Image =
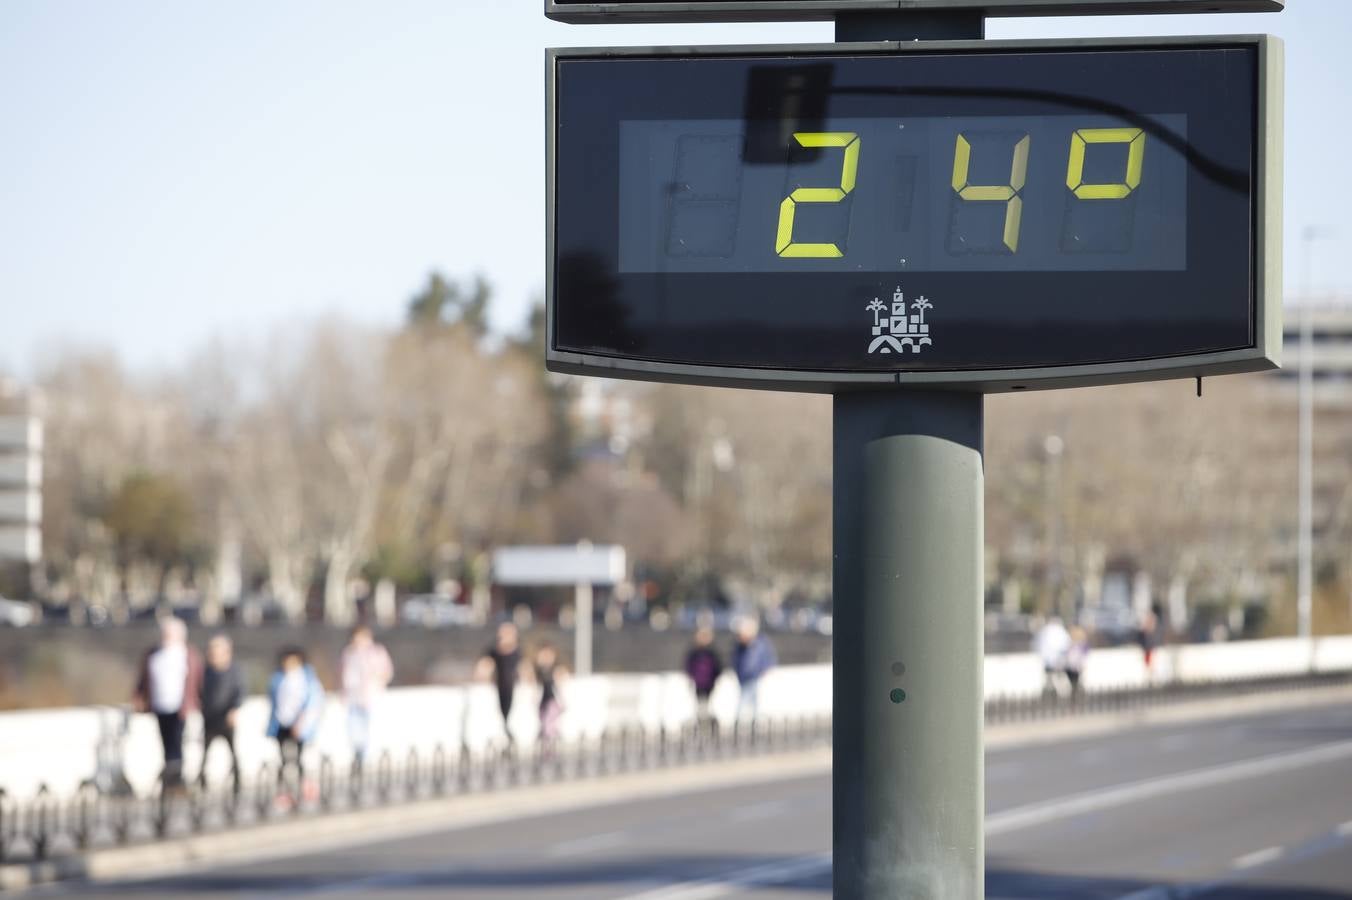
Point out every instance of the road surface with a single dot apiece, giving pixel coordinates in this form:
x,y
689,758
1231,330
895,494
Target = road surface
x,y
1258,808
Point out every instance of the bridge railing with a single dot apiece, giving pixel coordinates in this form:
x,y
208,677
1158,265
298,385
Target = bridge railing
x,y
46,825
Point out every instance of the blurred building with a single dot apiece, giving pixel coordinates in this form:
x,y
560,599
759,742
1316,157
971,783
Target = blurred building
x,y
1331,371
20,476
1331,348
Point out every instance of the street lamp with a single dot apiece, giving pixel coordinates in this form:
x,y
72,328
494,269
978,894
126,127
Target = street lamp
x,y
1304,551
1054,446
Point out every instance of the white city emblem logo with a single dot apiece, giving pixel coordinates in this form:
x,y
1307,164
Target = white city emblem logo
x,y
894,333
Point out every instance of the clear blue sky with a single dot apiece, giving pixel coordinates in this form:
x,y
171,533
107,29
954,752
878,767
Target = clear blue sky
x,y
183,168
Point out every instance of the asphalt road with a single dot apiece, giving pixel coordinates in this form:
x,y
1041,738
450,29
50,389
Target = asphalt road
x,y
1258,808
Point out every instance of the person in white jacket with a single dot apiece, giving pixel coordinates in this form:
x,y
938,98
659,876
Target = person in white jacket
x,y
1052,643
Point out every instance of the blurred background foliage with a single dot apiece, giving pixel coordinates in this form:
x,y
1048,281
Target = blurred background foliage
x,y
332,458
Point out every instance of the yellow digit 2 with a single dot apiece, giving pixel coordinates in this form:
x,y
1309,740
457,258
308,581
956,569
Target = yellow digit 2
x,y
1008,193
784,243
1133,137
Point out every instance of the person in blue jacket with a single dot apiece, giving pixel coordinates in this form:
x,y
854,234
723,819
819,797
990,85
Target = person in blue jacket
x,y
297,700
752,656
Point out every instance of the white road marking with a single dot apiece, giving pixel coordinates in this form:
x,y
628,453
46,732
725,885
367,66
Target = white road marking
x,y
1258,857
1034,814
1245,865
722,885
588,844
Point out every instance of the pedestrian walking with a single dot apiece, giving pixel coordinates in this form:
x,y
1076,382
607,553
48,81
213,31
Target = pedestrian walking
x,y
703,666
501,664
1077,657
549,674
169,686
752,657
1150,635
297,700
221,697
1051,643
366,670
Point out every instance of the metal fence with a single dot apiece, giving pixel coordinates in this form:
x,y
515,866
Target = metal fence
x,y
45,825
1048,706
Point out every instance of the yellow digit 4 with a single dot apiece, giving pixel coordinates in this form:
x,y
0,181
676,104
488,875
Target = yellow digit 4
x,y
1133,137
784,243
1009,193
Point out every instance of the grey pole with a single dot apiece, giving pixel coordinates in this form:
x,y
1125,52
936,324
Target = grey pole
x,y
582,628
908,772
908,779
1305,466
910,25
909,775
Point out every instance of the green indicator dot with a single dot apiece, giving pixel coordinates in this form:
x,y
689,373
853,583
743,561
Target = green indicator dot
x,y
898,695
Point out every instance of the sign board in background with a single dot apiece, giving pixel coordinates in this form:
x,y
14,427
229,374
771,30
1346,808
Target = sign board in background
x,y
583,565
985,215
569,564
20,488
590,11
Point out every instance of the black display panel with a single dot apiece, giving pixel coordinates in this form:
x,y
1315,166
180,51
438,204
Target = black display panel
x,y
989,208
1009,193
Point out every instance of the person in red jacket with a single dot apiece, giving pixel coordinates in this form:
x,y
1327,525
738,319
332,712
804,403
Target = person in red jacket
x,y
170,686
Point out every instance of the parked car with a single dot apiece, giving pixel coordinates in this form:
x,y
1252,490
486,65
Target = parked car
x,y
691,617
435,611
1113,624
796,619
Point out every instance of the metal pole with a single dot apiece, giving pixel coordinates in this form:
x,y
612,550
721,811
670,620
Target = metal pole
x,y
1305,513
1305,538
1060,600
908,776
910,25
582,628
908,783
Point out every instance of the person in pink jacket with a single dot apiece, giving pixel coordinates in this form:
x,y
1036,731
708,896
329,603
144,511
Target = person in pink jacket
x,y
366,670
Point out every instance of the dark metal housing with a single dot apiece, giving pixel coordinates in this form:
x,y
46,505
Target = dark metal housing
x,y
1262,354
589,11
